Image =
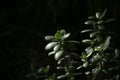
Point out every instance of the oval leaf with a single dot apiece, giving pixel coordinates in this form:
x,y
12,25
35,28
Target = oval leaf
x,y
65,36
48,38
88,30
58,54
89,22
107,42
57,47
50,53
98,14
50,45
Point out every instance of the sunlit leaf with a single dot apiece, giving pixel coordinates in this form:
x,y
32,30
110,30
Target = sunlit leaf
x,y
60,60
89,22
103,14
57,35
107,42
87,41
48,38
98,14
50,53
58,54
61,76
93,34
96,71
89,51
88,30
84,55
91,17
100,22
62,32
85,64
57,47
96,58
65,36
50,45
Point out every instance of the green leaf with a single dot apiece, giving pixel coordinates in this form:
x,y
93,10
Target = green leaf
x,y
57,47
88,30
98,14
110,20
62,32
107,42
116,53
61,60
89,51
71,41
90,22
61,76
50,45
85,64
103,14
59,67
87,41
93,34
65,36
48,38
50,53
96,71
84,55
96,58
91,17
59,54
57,35
100,22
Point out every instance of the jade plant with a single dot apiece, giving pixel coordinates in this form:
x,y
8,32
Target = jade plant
x,y
100,60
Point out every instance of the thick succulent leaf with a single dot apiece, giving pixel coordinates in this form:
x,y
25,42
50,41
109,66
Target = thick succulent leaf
x,y
91,17
107,42
71,41
93,34
57,35
103,14
57,47
116,53
83,57
49,38
87,41
50,53
100,22
110,20
96,71
85,64
88,30
50,45
89,51
61,76
61,60
62,32
90,22
65,36
59,54
98,14
96,58
60,67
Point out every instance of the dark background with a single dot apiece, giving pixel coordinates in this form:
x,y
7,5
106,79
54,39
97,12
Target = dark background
x,y
24,23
